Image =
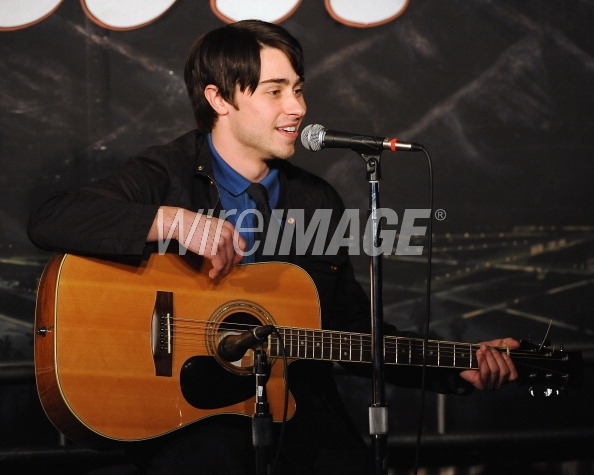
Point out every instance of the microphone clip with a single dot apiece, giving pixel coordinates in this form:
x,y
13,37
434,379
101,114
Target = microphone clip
x,y
233,347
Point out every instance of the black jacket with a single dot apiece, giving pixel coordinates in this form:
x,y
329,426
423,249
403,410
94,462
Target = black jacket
x,y
112,217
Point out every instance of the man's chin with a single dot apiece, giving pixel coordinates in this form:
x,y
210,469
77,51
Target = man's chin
x,y
285,153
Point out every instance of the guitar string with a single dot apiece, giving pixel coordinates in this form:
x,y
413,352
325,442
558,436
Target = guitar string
x,y
393,344
331,336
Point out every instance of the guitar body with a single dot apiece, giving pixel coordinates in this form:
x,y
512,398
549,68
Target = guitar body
x,y
102,369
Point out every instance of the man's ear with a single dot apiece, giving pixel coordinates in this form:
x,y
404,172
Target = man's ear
x,y
215,99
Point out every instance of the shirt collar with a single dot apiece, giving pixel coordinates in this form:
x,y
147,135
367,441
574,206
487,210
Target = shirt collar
x,y
234,183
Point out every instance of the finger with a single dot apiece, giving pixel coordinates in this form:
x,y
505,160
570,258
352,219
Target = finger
x,y
239,245
221,245
513,372
217,269
475,377
509,371
209,246
490,368
227,245
505,368
504,343
223,252
511,343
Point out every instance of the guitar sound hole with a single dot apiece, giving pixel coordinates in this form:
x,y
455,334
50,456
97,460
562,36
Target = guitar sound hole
x,y
238,322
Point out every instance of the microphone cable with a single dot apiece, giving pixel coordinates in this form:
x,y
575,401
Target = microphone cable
x,y
427,315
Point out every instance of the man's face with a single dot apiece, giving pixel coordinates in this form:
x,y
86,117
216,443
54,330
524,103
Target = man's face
x,y
266,121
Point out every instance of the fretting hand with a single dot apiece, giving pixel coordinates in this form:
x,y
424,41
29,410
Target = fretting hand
x,y
495,367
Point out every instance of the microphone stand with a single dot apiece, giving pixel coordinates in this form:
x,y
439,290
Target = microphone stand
x,y
262,419
378,410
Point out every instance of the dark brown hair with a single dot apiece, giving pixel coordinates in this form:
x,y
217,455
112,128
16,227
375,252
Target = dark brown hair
x,y
229,57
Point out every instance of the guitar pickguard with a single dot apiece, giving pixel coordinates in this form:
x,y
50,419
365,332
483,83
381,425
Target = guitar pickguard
x,y
205,384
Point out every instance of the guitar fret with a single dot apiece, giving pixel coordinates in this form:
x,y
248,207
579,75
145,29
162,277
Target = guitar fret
x,y
349,342
438,355
286,343
403,352
305,344
292,346
416,357
432,354
297,342
336,349
361,348
334,346
447,357
318,344
302,343
356,349
461,356
388,350
454,354
364,348
279,350
391,353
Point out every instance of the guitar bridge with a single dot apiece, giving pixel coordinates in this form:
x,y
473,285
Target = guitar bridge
x,y
162,333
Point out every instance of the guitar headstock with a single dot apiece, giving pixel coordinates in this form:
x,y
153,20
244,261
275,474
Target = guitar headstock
x,y
547,370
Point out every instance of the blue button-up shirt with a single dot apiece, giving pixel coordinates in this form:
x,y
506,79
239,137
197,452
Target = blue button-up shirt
x,y
235,200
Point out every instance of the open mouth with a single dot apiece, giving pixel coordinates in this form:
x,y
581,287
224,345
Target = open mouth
x,y
288,130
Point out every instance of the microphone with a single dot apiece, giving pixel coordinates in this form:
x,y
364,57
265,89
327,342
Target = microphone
x,y
315,137
233,347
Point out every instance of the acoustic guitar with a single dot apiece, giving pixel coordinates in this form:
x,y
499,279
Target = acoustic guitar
x,y
127,352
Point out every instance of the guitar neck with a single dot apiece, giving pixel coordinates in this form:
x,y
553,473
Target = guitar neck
x,y
340,346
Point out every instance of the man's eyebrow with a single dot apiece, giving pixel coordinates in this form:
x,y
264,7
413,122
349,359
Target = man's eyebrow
x,y
283,81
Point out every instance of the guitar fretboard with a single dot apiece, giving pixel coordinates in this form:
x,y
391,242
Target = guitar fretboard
x,y
339,346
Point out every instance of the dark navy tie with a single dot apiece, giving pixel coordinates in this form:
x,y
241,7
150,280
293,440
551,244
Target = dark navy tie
x,y
259,194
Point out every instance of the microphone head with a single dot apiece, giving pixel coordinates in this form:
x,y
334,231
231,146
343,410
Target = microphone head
x,y
312,137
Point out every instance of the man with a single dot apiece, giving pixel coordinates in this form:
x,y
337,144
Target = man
x,y
245,83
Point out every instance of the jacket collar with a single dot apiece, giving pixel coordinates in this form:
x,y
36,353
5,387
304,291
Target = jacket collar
x,y
204,159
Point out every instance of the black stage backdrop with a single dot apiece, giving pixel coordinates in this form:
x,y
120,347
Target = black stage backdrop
x,y
500,93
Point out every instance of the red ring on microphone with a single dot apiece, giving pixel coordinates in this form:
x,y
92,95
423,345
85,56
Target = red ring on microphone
x,y
393,144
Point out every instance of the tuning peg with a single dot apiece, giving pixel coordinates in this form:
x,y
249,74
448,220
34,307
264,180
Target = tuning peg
x,y
542,392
